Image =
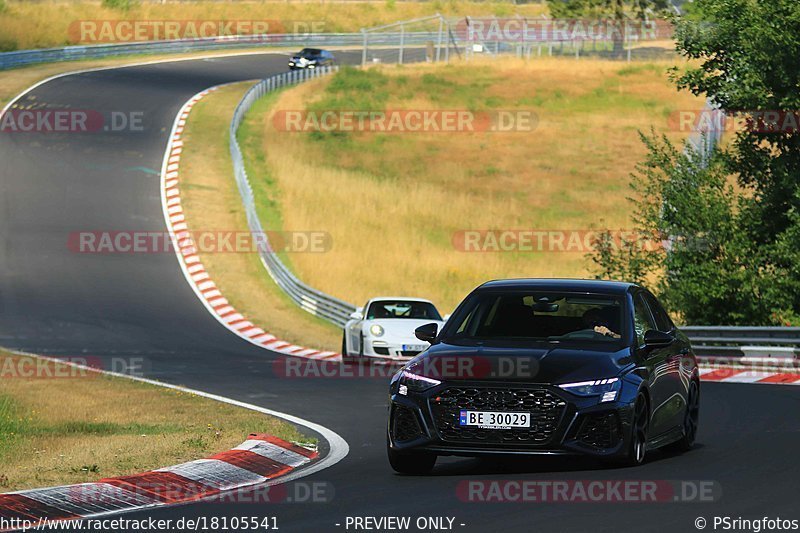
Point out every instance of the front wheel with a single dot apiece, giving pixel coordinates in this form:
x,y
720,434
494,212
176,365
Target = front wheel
x,y
347,358
637,446
412,463
690,419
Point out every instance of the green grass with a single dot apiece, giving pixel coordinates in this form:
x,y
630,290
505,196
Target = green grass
x,y
80,429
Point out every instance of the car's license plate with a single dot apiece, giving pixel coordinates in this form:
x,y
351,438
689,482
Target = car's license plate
x,y
414,347
494,419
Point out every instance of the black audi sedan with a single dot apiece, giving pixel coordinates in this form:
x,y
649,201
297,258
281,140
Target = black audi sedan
x,y
550,367
309,58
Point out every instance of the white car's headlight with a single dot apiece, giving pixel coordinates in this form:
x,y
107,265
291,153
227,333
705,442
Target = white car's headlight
x,y
607,387
376,330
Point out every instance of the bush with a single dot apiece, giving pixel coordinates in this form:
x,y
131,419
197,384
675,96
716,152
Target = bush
x,y
746,270
8,45
122,5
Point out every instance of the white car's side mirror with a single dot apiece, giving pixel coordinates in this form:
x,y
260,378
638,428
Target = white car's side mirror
x,y
356,315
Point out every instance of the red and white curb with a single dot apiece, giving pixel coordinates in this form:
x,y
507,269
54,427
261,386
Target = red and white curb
x,y
190,262
738,374
259,459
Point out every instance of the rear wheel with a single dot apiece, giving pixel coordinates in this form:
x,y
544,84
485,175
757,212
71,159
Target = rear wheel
x,y
637,446
690,419
413,463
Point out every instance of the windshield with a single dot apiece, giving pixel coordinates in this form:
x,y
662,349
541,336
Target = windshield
x,y
310,52
402,309
541,316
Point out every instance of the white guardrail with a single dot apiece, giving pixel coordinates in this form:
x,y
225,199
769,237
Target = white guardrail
x,y
726,342
310,299
299,40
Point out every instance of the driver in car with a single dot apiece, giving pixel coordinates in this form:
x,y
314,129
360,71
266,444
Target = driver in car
x,y
598,320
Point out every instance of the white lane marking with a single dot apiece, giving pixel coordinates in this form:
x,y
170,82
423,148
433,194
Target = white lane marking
x,y
206,290
38,84
338,447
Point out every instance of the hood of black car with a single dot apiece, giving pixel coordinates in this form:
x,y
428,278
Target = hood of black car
x,y
550,364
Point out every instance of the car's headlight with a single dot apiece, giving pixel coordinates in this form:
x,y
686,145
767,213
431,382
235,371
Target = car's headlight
x,y
607,387
376,330
416,383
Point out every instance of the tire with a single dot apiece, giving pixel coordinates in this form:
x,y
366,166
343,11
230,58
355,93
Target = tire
x,y
691,418
353,359
637,445
411,463
346,358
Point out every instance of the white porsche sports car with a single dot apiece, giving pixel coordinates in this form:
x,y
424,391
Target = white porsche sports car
x,y
384,328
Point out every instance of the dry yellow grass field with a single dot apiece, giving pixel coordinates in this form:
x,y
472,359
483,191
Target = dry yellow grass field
x,y
393,202
83,426
211,202
25,25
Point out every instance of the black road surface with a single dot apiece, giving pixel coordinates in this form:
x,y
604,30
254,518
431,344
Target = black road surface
x,y
58,302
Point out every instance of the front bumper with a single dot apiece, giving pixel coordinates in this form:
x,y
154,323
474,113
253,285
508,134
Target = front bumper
x,y
393,348
561,423
298,65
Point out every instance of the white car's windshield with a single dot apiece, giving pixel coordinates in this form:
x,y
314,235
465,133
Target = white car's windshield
x,y
402,309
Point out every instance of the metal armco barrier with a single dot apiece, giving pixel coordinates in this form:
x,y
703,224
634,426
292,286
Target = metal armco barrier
x,y
735,341
716,341
72,53
310,299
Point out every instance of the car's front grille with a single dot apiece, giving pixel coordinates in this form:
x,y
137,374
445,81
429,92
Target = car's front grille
x,y
599,430
380,350
545,408
410,353
405,426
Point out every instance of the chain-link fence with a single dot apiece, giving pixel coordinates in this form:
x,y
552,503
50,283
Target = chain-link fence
x,y
437,38
410,41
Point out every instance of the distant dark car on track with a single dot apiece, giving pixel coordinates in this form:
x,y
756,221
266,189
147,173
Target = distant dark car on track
x,y
311,58
548,367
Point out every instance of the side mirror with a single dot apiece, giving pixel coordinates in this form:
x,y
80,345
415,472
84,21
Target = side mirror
x,y
657,339
356,315
427,332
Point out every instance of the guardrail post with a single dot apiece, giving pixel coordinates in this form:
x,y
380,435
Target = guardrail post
x,y
402,43
439,39
364,47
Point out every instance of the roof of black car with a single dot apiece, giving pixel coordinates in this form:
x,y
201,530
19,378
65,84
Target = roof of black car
x,y
581,285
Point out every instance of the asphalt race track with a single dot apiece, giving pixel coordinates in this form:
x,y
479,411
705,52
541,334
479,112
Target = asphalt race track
x,y
58,302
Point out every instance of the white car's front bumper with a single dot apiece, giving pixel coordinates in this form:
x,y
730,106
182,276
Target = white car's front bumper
x,y
393,348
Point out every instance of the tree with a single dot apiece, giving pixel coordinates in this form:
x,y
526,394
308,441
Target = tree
x,y
618,10
747,269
